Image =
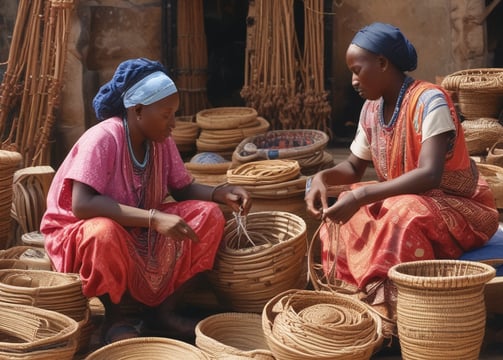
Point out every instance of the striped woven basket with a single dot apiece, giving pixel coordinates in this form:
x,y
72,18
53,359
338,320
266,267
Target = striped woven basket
x,y
440,311
151,348
259,256
222,118
233,336
28,332
306,324
264,172
10,161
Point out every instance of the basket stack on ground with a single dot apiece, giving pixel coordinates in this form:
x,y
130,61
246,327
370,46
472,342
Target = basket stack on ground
x,y
10,161
260,256
49,290
306,324
24,257
304,145
223,128
232,335
185,134
208,168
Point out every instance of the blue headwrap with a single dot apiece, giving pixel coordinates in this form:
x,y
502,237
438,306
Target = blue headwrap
x,y
108,101
388,40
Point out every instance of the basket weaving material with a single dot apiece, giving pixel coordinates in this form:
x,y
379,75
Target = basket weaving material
x,y
440,311
233,336
481,77
493,174
24,257
304,324
495,153
151,348
264,172
282,190
481,134
28,332
221,118
10,162
249,271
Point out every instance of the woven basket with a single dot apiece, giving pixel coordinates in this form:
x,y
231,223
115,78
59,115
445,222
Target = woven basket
x,y
24,257
481,134
304,324
493,174
245,274
10,161
233,336
222,118
453,81
283,190
185,133
28,332
495,153
151,348
440,310
264,172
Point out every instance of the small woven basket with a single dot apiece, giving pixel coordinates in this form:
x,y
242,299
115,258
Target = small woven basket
x,y
481,134
305,324
28,332
440,311
233,336
151,348
493,174
269,258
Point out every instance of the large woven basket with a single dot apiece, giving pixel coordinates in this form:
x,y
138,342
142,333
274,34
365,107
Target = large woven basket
x,y
233,336
306,324
493,174
221,118
151,348
245,274
481,134
10,161
440,311
28,332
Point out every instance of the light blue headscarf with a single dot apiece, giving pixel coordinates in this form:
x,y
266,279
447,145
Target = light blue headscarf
x,y
389,41
150,89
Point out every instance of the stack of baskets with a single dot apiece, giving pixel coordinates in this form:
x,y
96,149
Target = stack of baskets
x,y
260,256
223,128
440,311
10,161
185,134
305,146
208,168
479,93
24,257
49,290
305,324
29,332
233,336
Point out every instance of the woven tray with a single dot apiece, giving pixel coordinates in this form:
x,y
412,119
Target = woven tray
x,y
226,118
264,172
28,332
233,335
151,348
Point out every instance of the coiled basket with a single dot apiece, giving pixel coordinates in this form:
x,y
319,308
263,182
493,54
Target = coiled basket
x,y
441,312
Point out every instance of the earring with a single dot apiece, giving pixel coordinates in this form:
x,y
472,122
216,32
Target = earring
x,y
138,118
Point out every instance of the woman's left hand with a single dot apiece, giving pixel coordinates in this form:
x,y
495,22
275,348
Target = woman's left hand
x,y
343,209
237,198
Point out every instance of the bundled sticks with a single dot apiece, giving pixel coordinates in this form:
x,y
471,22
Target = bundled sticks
x,y
30,90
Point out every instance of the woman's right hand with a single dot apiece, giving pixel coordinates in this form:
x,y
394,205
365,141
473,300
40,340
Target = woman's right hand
x,y
316,196
172,225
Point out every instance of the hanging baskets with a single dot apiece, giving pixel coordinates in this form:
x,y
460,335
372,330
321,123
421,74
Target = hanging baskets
x,y
151,348
304,324
28,332
233,336
440,311
253,266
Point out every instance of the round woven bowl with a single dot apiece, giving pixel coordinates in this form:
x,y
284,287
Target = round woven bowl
x,y
493,174
264,172
233,336
226,118
28,332
305,324
151,348
245,275
440,310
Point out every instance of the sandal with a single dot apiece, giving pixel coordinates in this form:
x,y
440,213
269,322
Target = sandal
x,y
119,330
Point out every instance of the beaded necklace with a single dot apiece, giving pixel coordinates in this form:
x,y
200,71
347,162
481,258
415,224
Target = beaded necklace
x,y
406,82
136,163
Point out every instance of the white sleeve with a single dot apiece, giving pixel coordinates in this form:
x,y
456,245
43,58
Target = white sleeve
x,y
438,119
360,146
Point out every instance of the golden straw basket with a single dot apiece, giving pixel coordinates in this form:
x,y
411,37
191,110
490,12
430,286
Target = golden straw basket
x,y
481,134
252,267
307,324
440,311
233,336
493,174
151,348
10,161
221,118
29,332
24,257
264,172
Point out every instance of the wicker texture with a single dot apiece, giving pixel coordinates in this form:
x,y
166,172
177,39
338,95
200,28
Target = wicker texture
x,y
304,324
481,134
233,336
440,309
185,133
495,153
264,172
493,174
222,118
28,332
24,257
267,258
151,348
10,162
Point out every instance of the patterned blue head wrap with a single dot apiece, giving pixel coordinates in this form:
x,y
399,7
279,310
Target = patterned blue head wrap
x,y
109,100
388,40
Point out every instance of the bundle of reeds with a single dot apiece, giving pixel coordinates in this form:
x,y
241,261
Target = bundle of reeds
x,y
31,86
191,57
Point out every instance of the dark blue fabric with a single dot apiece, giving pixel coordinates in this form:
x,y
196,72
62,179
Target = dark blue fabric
x,y
493,249
108,100
388,40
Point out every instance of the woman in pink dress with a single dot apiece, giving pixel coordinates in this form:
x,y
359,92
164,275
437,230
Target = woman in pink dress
x,y
107,217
